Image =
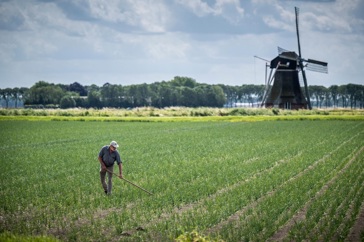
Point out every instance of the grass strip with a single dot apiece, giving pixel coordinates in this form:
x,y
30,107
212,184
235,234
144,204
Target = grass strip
x,y
186,119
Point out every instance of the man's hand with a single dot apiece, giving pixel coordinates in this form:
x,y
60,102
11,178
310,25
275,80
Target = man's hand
x,y
120,171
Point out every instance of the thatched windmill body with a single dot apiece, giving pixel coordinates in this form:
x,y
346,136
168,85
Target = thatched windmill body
x,y
283,88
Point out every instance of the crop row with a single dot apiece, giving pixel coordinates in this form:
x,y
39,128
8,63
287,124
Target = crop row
x,y
231,180
282,185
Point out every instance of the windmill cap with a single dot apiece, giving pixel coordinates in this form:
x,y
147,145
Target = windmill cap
x,y
114,144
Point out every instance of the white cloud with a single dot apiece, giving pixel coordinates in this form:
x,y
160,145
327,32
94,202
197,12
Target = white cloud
x,y
106,10
127,41
167,46
198,7
150,16
228,9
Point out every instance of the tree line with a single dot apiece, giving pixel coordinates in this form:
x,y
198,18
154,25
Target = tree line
x,y
180,91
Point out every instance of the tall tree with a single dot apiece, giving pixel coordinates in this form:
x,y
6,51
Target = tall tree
x,y
354,92
77,87
94,100
15,96
334,91
43,93
343,93
215,96
319,93
6,94
110,95
188,97
179,81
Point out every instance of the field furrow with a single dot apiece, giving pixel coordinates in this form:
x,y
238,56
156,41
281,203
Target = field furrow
x,y
283,232
271,213
281,180
206,214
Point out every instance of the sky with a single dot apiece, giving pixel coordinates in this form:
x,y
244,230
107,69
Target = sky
x,y
145,41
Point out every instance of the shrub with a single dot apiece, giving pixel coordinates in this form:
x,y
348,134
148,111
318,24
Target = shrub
x,y
194,237
67,102
275,111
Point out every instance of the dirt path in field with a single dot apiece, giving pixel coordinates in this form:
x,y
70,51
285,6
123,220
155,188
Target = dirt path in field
x,y
282,233
357,230
80,222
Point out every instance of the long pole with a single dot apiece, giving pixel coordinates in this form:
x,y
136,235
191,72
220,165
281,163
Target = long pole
x,y
122,178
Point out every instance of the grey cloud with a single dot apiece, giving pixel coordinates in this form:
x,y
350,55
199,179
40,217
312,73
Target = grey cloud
x,y
11,17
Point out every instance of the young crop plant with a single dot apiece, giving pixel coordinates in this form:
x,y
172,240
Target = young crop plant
x,y
230,181
194,236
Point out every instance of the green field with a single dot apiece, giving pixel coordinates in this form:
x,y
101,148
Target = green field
x,y
234,181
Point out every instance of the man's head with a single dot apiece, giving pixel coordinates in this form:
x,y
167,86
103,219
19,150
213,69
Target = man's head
x,y
114,145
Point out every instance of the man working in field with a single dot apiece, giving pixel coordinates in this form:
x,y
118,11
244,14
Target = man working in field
x,y
107,157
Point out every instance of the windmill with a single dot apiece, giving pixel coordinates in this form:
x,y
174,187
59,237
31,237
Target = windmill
x,y
283,88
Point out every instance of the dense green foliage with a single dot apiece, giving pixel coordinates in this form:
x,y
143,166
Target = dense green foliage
x,y
233,181
180,91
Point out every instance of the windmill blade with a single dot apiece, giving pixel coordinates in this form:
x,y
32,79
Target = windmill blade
x,y
317,62
261,58
315,65
297,11
306,87
281,50
317,68
287,54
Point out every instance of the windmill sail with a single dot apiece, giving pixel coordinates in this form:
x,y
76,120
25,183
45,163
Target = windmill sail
x,y
281,50
318,66
300,60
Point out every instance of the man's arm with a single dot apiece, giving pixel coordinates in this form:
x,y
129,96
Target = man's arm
x,y
103,166
120,170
